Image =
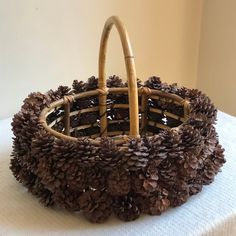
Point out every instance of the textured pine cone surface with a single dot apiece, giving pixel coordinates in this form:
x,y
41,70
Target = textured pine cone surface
x,y
145,175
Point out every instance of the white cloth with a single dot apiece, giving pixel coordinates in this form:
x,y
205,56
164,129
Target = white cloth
x,y
211,212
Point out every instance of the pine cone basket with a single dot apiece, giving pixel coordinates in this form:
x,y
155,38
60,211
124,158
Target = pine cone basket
x,y
126,148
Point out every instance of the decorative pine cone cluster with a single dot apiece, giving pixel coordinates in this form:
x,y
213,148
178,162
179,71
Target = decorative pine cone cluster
x,y
146,175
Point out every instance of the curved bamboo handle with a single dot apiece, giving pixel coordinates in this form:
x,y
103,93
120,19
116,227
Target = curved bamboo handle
x,y
131,76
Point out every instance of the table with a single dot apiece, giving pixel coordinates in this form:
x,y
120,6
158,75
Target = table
x,y
211,212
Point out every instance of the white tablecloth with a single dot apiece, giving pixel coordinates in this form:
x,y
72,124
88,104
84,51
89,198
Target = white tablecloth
x,y
211,212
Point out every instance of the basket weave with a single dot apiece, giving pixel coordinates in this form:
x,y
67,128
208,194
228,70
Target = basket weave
x,y
108,147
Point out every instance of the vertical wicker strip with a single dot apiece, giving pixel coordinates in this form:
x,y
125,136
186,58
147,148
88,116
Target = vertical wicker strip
x,y
67,118
131,76
144,107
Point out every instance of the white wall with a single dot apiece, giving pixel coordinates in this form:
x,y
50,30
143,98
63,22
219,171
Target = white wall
x,y
217,58
45,43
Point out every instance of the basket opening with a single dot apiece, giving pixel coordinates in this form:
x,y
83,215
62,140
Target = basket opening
x,y
161,113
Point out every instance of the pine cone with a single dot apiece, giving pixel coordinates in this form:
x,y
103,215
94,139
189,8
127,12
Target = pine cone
x,y
137,155
195,185
203,105
78,86
183,92
158,202
154,83
191,138
39,190
109,155
59,93
188,164
212,164
21,173
92,83
209,145
125,208
179,193
114,81
64,165
168,172
118,182
96,205
24,125
200,123
42,144
36,102
145,182
67,199
166,144
96,178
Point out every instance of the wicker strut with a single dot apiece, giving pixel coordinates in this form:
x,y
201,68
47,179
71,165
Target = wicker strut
x,y
106,147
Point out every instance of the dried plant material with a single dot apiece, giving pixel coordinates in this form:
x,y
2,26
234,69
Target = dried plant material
x,y
147,175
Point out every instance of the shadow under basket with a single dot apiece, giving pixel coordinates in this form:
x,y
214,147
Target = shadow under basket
x,y
106,146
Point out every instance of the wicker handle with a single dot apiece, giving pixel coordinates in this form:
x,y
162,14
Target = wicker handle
x,y
131,76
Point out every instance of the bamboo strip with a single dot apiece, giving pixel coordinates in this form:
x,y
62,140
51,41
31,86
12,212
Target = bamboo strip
x,y
168,114
158,125
144,112
67,119
52,110
167,99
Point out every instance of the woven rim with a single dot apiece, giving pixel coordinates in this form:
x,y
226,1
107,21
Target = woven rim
x,y
120,139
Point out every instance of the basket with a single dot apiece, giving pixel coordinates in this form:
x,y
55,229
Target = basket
x,y
108,147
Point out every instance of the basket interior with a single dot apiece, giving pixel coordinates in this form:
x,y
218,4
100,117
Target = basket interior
x,y
160,112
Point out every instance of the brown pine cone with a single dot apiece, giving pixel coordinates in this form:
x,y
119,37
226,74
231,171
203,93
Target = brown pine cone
x,y
158,202
96,205
65,165
92,83
209,145
114,81
200,123
21,172
168,172
203,105
110,156
195,185
78,86
125,208
188,165
59,93
212,164
144,182
96,178
218,156
166,144
154,82
66,198
200,103
118,182
137,154
178,193
36,102
191,138
39,190
42,144
24,125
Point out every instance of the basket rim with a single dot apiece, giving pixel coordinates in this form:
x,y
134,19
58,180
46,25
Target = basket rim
x,y
120,139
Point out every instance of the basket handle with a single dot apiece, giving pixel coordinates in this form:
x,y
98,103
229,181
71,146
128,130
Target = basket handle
x,y
131,76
